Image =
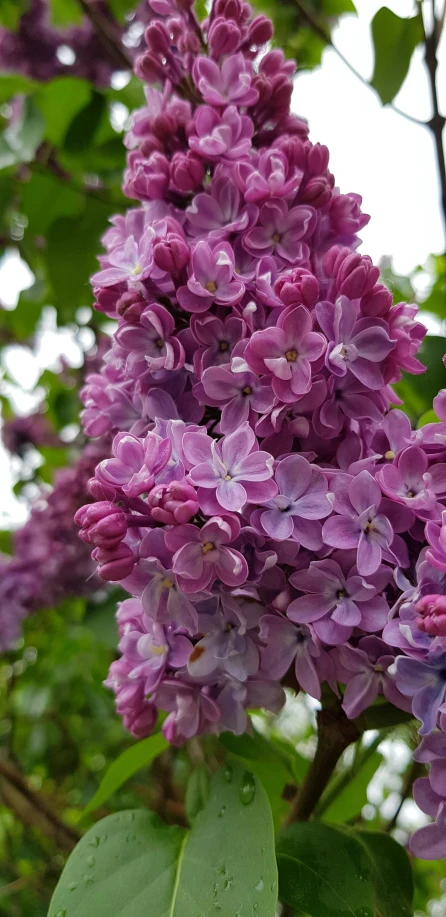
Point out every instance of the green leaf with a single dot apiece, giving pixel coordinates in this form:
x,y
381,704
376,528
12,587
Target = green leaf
x,y
131,761
45,198
131,865
324,872
65,12
352,799
257,753
20,140
382,715
392,874
121,8
418,392
15,84
394,41
59,101
337,7
197,792
11,12
84,125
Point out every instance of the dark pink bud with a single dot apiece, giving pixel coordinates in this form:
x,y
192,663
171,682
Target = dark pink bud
x,y
299,287
173,504
318,157
101,491
440,404
172,254
188,42
186,172
378,302
114,564
356,276
317,191
150,180
260,31
224,37
148,67
130,305
432,620
164,125
142,722
157,37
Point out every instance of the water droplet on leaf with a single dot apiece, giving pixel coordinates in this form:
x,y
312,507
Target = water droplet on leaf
x,y
260,886
91,861
229,773
248,788
94,842
222,812
72,886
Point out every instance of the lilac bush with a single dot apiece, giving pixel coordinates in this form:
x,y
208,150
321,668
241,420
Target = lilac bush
x,y
266,506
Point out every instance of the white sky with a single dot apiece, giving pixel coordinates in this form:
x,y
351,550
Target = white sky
x,y
373,151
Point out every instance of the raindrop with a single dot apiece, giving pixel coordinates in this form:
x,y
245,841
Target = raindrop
x,y
260,886
88,879
95,842
72,886
228,884
222,870
255,908
222,812
273,886
62,913
229,773
131,816
91,861
248,789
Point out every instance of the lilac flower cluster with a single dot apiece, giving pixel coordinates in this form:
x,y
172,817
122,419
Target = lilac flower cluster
x,y
264,506
49,562
34,48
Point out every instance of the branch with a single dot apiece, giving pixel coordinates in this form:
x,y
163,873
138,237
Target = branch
x,y
438,121
106,33
32,810
415,770
319,29
335,734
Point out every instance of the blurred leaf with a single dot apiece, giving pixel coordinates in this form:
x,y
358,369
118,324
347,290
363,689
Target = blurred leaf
x,y
5,542
392,874
197,792
436,301
22,320
382,715
394,41
428,417
324,872
418,392
337,7
131,761
140,866
11,12
59,101
45,198
21,138
352,799
84,125
15,84
65,12
71,255
120,8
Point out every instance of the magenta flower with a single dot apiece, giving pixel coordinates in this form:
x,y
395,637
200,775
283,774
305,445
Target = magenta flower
x,y
225,137
211,279
233,467
365,671
230,83
302,499
347,398
280,231
130,262
408,481
359,524
216,338
202,555
336,602
221,212
135,464
287,351
238,394
354,344
151,344
271,176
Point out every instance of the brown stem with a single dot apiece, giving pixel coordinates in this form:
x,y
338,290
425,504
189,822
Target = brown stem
x,y
32,810
438,121
105,30
415,770
335,734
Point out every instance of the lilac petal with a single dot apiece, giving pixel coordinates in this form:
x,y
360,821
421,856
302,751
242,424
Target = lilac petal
x,y
197,448
180,651
293,476
205,475
277,524
437,777
425,796
308,533
425,705
364,492
237,446
429,843
231,495
281,646
331,632
231,567
306,674
188,562
309,608
340,532
360,693
369,555
374,614
347,613
181,611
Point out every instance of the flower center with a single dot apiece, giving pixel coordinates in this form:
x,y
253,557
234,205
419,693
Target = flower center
x,y
167,583
247,390
389,454
369,527
341,594
207,546
223,346
136,270
211,286
378,668
159,343
276,238
227,477
158,650
291,356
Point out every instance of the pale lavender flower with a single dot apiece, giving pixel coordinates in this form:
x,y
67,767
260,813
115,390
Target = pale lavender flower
x,y
211,279
203,555
238,394
132,261
365,671
301,502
